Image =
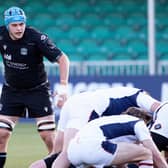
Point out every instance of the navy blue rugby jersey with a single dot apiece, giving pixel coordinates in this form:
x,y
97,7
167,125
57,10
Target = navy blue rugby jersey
x,y
23,58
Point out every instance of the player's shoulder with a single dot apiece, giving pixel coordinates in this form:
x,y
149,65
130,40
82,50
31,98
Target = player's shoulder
x,y
30,29
35,33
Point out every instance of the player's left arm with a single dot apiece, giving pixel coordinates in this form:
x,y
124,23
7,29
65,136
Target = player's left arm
x,y
63,62
158,159
55,55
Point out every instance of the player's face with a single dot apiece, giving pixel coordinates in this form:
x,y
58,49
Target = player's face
x,y
16,30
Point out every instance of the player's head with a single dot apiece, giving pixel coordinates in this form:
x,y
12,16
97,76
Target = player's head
x,y
14,14
140,113
163,108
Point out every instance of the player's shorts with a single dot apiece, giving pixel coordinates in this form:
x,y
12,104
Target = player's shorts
x,y
91,152
76,112
32,103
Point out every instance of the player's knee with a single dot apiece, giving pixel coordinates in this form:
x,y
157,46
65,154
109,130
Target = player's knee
x,y
47,132
6,127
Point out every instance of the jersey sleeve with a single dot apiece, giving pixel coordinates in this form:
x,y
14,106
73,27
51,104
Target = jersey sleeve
x,y
141,131
47,47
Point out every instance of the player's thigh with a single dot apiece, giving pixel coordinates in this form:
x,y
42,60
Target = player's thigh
x,y
128,152
90,151
47,118
39,104
11,119
11,103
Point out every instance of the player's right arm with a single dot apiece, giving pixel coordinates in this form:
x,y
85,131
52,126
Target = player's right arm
x,y
158,159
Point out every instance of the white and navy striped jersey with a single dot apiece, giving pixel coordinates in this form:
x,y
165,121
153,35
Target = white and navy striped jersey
x,y
84,107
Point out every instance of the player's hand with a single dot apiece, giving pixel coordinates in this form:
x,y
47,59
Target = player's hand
x,y
61,95
61,100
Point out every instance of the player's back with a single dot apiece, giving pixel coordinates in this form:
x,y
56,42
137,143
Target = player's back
x,y
114,100
117,128
89,105
116,92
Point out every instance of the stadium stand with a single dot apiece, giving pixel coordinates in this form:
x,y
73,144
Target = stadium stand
x,y
91,30
162,49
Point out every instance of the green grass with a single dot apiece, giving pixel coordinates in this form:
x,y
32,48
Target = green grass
x,y
25,146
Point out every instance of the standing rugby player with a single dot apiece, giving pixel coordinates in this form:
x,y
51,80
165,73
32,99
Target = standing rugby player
x,y
26,89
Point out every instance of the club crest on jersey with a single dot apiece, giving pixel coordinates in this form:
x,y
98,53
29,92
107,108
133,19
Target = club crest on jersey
x,y
8,56
158,126
4,47
46,109
43,37
23,51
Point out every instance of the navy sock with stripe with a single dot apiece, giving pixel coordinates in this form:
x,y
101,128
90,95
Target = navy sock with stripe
x,y
3,156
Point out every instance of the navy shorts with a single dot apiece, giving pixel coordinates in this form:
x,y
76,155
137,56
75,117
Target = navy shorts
x,y
32,103
160,141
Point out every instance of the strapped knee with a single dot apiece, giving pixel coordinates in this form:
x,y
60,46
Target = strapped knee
x,y
7,124
46,125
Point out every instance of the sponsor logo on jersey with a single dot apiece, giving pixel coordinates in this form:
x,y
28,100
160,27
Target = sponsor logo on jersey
x,y
8,56
23,51
46,109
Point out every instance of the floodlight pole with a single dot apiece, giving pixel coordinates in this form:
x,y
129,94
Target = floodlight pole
x,y
151,37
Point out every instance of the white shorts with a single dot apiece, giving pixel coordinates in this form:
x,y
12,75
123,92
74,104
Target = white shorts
x,y
75,113
89,152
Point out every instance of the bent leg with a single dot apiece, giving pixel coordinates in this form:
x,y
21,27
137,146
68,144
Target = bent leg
x,y
46,128
44,163
62,160
127,153
48,161
6,127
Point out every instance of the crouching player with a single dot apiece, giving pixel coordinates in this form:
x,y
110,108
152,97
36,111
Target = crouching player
x,y
111,141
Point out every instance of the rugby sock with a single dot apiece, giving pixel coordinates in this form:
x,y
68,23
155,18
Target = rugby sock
x,y
50,159
146,164
71,166
2,159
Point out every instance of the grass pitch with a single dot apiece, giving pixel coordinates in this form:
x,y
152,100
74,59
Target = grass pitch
x,y
25,146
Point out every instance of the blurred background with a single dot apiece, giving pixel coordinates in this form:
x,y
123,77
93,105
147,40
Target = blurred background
x,y
108,41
